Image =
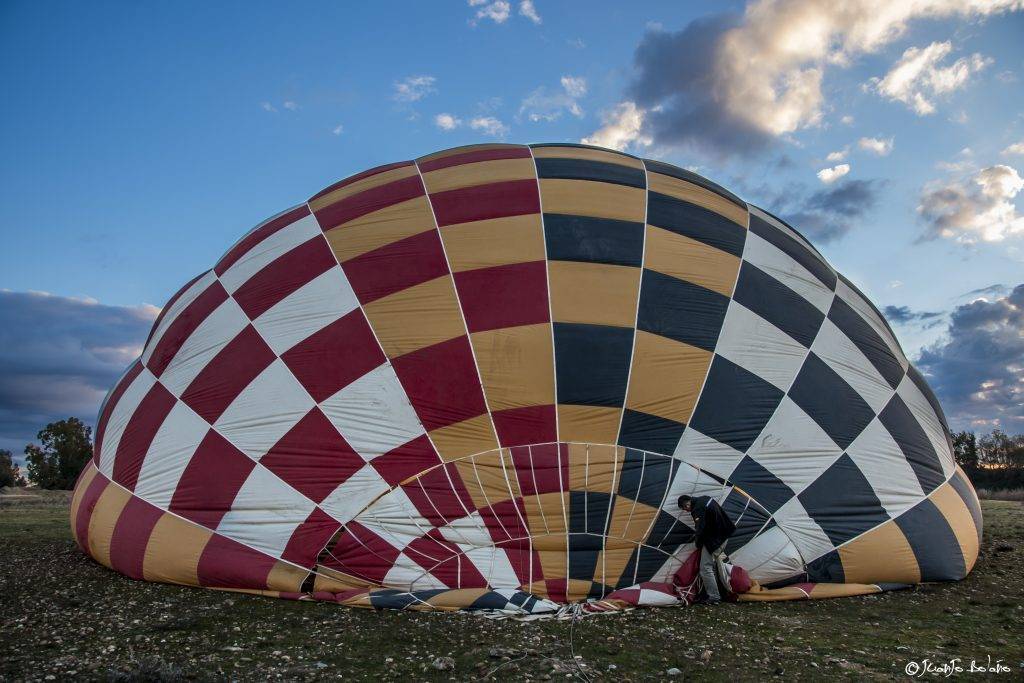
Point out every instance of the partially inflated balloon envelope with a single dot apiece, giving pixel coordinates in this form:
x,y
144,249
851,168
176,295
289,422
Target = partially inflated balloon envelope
x,y
483,378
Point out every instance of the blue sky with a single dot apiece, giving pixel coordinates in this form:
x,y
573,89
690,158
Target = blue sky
x,y
141,140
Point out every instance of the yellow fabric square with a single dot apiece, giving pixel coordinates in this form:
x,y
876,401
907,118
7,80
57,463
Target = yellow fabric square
x,y
417,317
695,194
593,198
516,366
479,173
589,424
691,260
593,293
494,242
468,437
379,228
666,377
173,552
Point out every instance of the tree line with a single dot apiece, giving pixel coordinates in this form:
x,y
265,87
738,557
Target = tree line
x,y
64,449
992,461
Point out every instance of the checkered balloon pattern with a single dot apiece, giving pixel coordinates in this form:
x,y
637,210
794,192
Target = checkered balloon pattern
x,y
482,379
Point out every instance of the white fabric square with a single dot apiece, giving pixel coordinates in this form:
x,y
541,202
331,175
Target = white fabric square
x,y
883,464
265,410
173,446
354,494
786,270
469,530
395,519
925,415
265,513
408,576
373,413
706,453
269,250
793,447
857,303
850,363
771,556
307,310
186,298
119,417
807,535
753,343
206,341
690,481
494,564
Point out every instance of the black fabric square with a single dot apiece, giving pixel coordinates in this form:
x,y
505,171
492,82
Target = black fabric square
x,y
830,401
594,240
760,484
966,492
746,515
933,541
650,432
867,340
589,512
929,395
592,363
587,169
908,434
680,310
842,502
778,304
826,569
668,533
794,249
735,405
645,476
691,177
696,222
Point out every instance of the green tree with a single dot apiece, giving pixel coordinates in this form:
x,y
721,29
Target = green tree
x,y
65,450
10,474
965,451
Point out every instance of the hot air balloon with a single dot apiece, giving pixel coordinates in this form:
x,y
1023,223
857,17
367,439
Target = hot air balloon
x,y
483,378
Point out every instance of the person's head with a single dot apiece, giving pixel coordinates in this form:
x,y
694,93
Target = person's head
x,y
685,503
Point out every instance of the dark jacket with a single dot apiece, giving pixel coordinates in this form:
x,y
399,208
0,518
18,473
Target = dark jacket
x,y
712,526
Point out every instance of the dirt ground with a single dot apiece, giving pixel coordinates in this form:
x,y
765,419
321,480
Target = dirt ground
x,y
63,615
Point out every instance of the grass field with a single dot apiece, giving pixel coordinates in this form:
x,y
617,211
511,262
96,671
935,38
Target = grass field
x,y
63,615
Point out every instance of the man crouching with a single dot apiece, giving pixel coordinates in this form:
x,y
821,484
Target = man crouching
x,y
712,529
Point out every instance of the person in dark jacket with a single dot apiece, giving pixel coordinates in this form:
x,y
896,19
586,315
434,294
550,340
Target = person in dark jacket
x,y
712,528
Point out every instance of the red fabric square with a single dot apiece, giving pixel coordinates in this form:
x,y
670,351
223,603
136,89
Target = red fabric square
x,y
546,465
439,495
335,356
504,520
86,505
283,276
108,406
313,458
442,383
510,152
504,296
444,561
494,200
361,553
359,176
182,327
131,536
167,307
210,481
371,200
230,371
522,426
229,564
244,245
139,433
524,559
397,266
310,538
406,461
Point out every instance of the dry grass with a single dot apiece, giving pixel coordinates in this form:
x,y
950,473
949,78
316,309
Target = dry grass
x,y
1016,495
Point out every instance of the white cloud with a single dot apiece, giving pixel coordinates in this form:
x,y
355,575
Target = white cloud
x,y
575,86
978,206
879,146
917,78
489,125
577,43
267,106
290,106
498,11
447,122
545,105
527,9
830,175
622,128
846,120
338,129
759,77
1015,148
414,88
838,155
